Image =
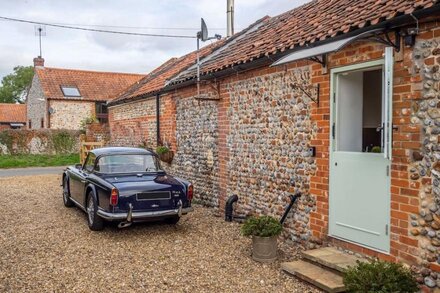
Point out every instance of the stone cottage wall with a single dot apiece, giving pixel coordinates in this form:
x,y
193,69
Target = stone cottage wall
x,y
265,127
424,154
70,114
269,140
196,157
36,104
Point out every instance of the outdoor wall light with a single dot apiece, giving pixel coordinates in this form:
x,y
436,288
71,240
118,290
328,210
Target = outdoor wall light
x,y
410,37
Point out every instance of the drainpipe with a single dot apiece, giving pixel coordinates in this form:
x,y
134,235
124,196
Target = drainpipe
x,y
158,118
47,116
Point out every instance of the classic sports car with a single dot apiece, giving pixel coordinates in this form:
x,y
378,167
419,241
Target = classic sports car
x,y
125,185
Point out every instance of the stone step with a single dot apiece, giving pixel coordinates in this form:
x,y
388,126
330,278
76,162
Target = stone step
x,y
331,258
315,275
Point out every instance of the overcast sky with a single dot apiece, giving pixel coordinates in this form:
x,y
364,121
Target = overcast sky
x,y
108,52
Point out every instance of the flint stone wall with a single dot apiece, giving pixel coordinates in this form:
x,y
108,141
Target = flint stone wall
x,y
269,140
41,141
70,114
425,163
196,158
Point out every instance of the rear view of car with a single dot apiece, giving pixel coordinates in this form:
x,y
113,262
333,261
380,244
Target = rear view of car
x,y
126,185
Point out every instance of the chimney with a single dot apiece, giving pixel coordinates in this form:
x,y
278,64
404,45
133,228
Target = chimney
x,y
39,61
230,18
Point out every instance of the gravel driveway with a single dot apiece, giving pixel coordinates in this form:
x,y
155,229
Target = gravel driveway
x,y
45,247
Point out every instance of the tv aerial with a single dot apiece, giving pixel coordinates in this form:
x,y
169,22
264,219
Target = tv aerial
x,y
203,36
40,31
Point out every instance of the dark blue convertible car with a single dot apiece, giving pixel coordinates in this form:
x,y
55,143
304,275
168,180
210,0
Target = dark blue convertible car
x,y
125,185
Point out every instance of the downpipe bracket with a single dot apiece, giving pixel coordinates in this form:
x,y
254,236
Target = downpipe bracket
x,y
293,198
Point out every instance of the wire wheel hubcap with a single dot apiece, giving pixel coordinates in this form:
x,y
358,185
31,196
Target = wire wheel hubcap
x,y
91,210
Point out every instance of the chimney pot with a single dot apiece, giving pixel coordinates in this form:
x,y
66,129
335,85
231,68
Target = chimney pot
x,y
39,61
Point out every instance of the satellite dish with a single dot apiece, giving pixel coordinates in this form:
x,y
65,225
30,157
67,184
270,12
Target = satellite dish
x,y
51,110
204,31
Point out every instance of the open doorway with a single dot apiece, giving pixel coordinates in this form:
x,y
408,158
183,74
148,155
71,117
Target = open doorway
x,y
360,108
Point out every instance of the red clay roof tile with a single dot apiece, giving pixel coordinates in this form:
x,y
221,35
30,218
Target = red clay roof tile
x,y
92,85
158,77
12,113
314,21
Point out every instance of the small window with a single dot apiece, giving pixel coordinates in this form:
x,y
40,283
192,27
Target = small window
x,y
30,124
42,122
70,91
101,112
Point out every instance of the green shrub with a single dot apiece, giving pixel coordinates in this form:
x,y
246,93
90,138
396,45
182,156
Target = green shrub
x,y
379,277
264,226
6,139
376,149
85,121
63,142
162,150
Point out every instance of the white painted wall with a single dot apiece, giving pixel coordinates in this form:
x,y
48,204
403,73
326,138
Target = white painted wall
x,y
350,108
372,112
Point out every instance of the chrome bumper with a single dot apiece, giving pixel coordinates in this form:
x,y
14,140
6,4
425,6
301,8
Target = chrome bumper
x,y
142,215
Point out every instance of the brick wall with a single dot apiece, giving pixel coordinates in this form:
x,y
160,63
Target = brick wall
x,y
134,124
265,126
414,200
4,126
97,132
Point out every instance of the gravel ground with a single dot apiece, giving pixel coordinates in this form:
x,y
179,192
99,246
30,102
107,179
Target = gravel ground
x,y
45,247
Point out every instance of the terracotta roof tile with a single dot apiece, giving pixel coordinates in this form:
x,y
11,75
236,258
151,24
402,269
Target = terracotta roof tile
x,y
157,78
92,85
314,21
12,113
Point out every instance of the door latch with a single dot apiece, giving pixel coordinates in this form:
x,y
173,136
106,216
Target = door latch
x,y
386,229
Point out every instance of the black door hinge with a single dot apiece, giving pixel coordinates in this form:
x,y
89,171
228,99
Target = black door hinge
x,y
333,131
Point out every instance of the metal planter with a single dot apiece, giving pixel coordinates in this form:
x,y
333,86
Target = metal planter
x,y
264,249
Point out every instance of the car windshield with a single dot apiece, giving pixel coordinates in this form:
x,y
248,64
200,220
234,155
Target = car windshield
x,y
127,163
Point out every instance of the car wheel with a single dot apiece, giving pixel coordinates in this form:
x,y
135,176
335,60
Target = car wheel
x,y
173,220
66,194
96,223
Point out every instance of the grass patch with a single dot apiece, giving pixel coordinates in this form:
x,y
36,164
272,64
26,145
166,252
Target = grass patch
x,y
20,161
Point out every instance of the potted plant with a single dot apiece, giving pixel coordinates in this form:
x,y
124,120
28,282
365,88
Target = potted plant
x,y
264,231
165,154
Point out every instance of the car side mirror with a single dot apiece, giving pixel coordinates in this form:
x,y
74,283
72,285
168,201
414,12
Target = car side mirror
x,y
78,166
